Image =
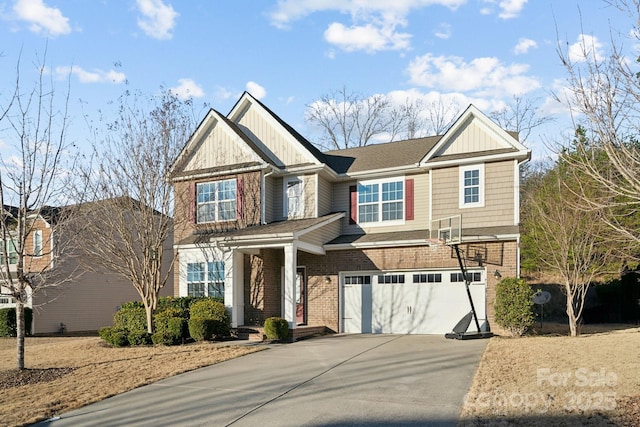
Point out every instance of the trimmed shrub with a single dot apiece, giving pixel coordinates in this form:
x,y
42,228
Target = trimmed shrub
x,y
115,336
276,328
178,327
131,317
161,319
139,338
514,306
8,322
209,308
202,329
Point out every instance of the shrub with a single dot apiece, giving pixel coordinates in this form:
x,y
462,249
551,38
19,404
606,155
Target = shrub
x,y
8,323
161,319
209,308
139,338
115,336
202,329
276,328
514,306
131,317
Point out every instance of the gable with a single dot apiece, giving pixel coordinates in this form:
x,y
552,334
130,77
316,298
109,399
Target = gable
x,y
475,135
216,143
270,135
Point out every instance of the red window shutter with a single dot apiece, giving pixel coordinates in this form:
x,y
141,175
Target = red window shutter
x,y
192,202
240,198
408,213
353,206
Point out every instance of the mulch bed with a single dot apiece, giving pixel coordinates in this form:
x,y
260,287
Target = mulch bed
x,y
19,377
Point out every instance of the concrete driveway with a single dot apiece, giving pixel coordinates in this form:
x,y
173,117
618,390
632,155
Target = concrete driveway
x,y
354,380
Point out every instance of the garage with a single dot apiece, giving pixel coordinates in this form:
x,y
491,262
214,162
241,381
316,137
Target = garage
x,y
411,302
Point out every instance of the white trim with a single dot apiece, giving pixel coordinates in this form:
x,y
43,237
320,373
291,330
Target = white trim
x,y
418,242
380,222
317,195
516,192
461,186
285,197
213,175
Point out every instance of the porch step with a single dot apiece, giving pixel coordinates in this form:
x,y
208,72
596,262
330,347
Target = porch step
x,y
251,333
256,333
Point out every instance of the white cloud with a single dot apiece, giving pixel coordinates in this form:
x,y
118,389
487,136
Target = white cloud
x,y
256,90
373,24
94,76
481,77
586,47
508,8
443,31
367,37
158,19
524,45
187,88
42,19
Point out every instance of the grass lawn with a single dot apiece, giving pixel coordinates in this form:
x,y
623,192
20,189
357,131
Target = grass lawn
x,y
69,372
553,379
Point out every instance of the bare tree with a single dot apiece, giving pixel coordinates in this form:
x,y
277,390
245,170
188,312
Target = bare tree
x,y
132,231
603,93
521,115
35,169
568,240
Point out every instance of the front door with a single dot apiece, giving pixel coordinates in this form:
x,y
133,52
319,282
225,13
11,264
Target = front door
x,y
301,296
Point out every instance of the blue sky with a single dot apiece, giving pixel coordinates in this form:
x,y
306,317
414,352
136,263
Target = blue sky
x,y
289,52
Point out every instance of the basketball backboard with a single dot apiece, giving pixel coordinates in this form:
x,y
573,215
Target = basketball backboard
x,y
446,230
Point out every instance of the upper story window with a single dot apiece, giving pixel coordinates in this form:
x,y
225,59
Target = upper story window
x,y
10,251
381,200
216,201
293,198
37,243
472,186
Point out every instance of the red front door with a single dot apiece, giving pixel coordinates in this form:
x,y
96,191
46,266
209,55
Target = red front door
x,y
301,297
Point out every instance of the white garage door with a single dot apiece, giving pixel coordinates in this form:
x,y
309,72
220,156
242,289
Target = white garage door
x,y
409,302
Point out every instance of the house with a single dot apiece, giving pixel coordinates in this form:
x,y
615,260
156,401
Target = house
x,y
341,239
73,297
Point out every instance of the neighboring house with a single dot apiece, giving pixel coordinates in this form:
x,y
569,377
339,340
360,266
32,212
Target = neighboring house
x,y
340,238
86,298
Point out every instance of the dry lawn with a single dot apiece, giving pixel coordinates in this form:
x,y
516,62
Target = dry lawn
x,y
97,372
553,379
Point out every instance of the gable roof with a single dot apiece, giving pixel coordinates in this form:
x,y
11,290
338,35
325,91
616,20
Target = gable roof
x,y
310,150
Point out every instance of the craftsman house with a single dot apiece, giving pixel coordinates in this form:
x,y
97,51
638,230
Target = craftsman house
x,y
344,239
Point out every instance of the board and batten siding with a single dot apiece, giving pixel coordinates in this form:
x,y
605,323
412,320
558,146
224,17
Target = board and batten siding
x,y
499,196
218,148
472,137
341,203
269,139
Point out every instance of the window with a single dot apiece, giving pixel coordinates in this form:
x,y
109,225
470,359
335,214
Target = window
x,y
473,277
427,278
209,276
472,186
380,201
216,201
391,278
293,198
11,252
357,280
37,243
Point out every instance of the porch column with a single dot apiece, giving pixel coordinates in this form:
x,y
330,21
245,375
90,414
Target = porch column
x,y
290,266
237,289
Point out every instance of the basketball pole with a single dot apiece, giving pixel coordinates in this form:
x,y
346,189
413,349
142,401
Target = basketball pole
x,y
467,283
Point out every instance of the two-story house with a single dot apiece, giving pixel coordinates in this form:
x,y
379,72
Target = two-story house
x,y
73,294
341,238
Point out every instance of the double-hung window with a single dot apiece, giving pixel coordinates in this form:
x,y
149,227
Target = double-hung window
x,y
11,252
37,243
216,201
293,198
381,201
205,279
472,186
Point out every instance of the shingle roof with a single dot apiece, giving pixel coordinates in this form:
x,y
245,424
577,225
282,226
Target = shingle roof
x,y
380,156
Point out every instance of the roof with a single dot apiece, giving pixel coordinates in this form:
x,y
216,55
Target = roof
x,y
278,229
380,156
